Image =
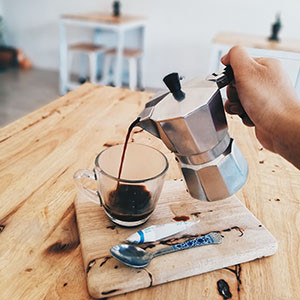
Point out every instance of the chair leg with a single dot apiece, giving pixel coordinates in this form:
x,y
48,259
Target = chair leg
x,y
82,67
132,73
140,83
107,60
93,67
69,66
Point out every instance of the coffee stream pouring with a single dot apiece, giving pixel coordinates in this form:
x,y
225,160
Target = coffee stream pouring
x,y
191,122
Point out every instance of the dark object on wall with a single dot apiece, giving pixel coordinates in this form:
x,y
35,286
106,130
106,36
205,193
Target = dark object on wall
x,y
116,8
275,29
12,57
8,57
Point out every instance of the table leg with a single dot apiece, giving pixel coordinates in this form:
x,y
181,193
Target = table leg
x,y
119,59
97,36
297,84
215,63
97,41
141,41
63,51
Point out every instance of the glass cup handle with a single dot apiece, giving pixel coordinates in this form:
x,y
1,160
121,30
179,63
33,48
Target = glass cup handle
x,y
89,194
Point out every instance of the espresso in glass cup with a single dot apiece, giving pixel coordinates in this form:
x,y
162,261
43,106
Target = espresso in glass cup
x,y
130,200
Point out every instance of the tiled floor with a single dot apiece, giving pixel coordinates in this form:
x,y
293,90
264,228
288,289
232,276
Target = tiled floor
x,y
21,92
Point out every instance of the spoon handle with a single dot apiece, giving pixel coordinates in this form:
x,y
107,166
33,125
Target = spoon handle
x,y
208,239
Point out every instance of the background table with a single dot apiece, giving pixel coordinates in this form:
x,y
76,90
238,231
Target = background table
x,y
100,21
40,256
286,50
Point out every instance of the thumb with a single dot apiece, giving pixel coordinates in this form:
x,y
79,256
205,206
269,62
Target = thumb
x,y
237,57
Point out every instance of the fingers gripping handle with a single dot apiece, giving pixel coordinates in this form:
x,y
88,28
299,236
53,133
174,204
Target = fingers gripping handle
x,y
89,194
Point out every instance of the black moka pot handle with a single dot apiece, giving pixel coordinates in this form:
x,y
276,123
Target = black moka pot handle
x,y
226,77
223,77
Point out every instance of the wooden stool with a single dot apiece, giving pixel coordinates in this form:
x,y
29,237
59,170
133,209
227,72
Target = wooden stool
x,y
92,51
134,66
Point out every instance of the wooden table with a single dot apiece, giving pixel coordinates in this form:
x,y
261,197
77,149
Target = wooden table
x,y
286,50
40,256
98,22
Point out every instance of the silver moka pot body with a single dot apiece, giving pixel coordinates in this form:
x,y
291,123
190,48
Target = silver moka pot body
x,y
191,122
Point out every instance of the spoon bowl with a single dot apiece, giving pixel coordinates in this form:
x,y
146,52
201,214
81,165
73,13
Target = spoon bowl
x,y
131,255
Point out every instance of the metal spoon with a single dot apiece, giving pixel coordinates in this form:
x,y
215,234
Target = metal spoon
x,y
137,257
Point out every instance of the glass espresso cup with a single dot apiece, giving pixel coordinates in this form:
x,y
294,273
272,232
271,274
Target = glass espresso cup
x,y
131,200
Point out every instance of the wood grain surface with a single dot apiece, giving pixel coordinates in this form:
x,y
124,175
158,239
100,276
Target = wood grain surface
x,y
256,41
103,18
244,239
40,255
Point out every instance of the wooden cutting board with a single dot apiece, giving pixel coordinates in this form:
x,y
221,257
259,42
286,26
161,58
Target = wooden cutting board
x,y
245,239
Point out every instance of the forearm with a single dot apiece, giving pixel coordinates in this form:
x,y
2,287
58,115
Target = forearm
x,y
286,135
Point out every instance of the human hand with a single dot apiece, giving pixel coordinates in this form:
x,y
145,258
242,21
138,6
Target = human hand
x,y
262,94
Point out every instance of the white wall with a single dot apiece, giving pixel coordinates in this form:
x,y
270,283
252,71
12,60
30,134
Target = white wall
x,y
178,36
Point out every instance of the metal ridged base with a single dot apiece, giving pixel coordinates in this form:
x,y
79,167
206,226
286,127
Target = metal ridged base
x,y
219,178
